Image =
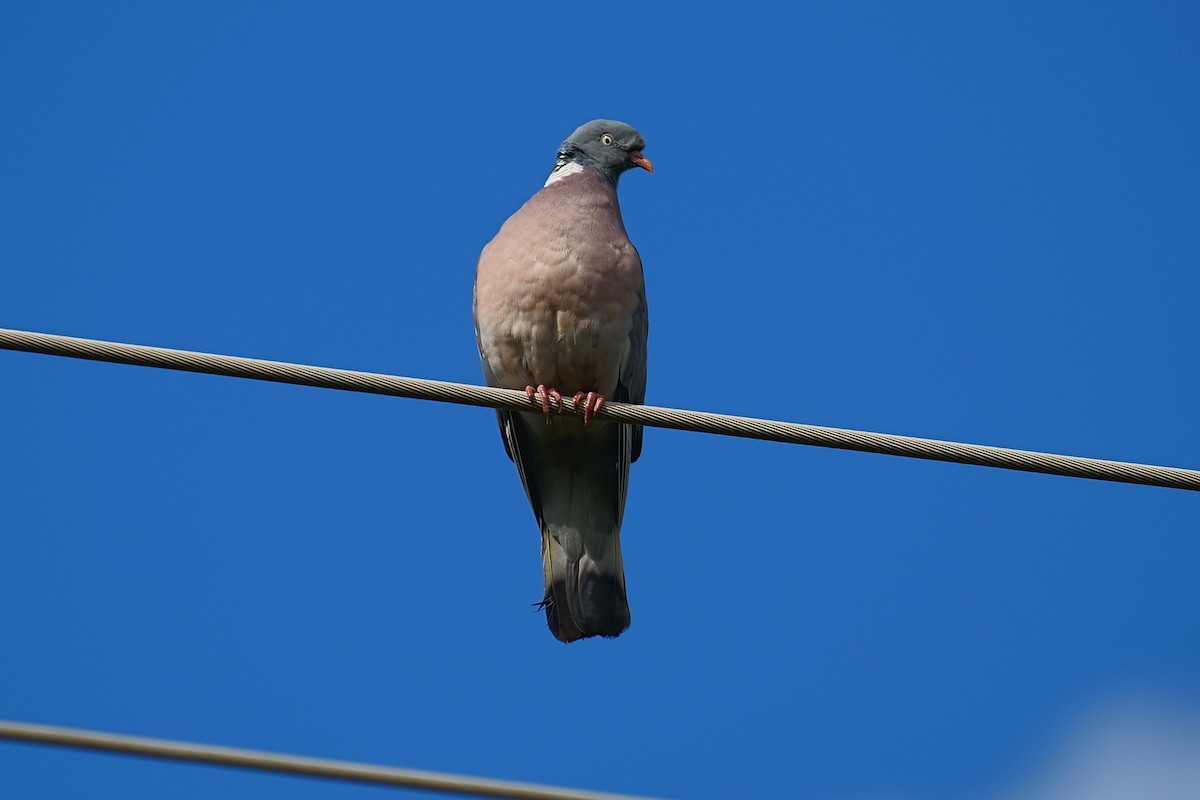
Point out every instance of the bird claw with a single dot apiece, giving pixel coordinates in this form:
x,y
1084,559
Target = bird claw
x,y
543,397
592,403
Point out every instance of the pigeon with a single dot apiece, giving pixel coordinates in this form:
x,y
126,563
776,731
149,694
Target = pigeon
x,y
560,312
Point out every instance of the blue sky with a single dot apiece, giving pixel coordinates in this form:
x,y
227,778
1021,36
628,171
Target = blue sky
x,y
961,221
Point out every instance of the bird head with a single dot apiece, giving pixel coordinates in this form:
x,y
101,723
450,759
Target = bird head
x,y
606,146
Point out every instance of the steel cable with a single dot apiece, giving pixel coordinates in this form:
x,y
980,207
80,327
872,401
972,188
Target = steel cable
x,y
697,421
295,765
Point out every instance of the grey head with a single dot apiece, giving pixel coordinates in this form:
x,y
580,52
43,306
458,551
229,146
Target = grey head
x,y
606,146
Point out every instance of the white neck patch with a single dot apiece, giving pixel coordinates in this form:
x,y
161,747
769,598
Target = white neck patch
x,y
560,172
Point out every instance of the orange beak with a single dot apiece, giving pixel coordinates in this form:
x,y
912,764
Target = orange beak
x,y
641,161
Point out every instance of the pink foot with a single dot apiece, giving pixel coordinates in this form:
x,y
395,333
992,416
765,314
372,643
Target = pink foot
x,y
543,397
592,403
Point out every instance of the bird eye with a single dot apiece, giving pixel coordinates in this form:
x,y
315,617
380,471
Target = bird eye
x,y
606,140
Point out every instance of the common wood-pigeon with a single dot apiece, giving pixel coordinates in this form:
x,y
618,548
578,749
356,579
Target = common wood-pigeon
x,y
560,312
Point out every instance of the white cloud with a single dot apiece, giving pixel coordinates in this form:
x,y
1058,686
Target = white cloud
x,y
1129,751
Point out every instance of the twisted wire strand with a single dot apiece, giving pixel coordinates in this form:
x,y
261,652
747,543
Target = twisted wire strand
x,y
289,764
654,416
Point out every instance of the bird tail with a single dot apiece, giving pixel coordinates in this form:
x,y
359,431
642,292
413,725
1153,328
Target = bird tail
x,y
585,583
575,477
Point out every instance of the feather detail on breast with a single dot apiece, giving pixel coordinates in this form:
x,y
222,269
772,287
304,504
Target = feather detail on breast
x,y
560,311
